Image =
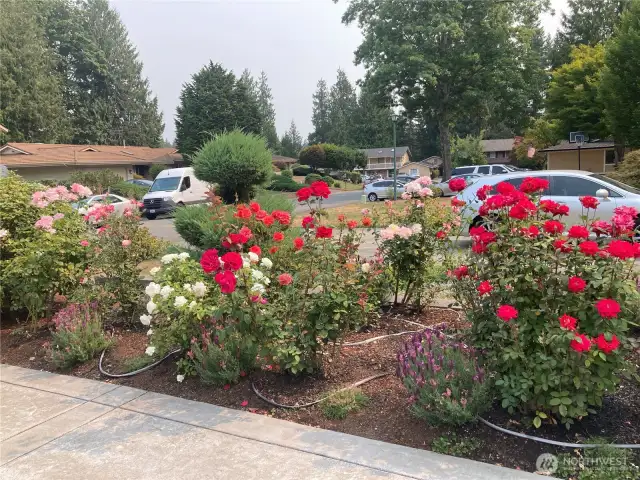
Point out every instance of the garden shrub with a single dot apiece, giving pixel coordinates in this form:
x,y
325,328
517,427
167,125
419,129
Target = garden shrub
x,y
129,190
155,169
337,184
289,297
446,383
17,213
314,156
301,170
312,177
327,179
287,173
237,162
341,404
223,359
284,184
549,311
98,181
629,170
78,335
270,201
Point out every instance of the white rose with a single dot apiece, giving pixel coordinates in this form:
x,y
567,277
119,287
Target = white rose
x,y
152,289
180,301
183,256
146,319
150,351
266,263
366,267
180,378
245,263
253,257
416,228
166,291
3,233
199,289
187,287
169,258
192,304
257,289
257,275
151,307
82,211
150,332
154,270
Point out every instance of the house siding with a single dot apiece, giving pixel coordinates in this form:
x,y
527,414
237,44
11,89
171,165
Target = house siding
x,y
64,173
590,160
423,170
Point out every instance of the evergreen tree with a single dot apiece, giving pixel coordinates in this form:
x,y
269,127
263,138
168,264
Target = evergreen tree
x,y
320,116
214,101
291,142
371,122
342,107
31,100
267,113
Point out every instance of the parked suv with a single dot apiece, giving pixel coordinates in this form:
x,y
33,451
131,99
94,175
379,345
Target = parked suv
x,y
484,170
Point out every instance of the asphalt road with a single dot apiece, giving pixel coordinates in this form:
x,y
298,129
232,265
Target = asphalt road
x,y
337,200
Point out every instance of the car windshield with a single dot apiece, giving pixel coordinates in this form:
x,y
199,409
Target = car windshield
x,y
615,183
165,184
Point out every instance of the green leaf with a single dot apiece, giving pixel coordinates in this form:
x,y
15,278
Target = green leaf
x,y
554,401
563,410
537,422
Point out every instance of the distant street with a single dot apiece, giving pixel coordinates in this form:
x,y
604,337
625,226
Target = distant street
x,y
337,199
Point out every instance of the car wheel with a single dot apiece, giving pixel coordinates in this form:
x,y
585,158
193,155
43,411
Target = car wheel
x,y
150,216
372,197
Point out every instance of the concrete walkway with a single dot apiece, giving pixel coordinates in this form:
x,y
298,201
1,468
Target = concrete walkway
x,y
60,427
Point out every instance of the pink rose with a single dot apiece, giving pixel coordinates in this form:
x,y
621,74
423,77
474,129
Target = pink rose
x,y
126,243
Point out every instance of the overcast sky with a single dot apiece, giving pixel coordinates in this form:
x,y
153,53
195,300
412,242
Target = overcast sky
x,y
296,42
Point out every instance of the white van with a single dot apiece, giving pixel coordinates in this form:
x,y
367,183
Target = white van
x,y
173,188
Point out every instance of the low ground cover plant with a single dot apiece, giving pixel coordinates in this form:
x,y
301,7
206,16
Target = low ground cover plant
x,y
340,405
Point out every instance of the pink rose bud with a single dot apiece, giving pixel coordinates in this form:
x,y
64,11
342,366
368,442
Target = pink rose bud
x,y
126,243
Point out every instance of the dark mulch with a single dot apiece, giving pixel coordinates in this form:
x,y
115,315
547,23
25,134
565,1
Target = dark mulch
x,y
385,418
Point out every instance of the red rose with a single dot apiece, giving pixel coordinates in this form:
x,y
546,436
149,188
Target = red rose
x,y
320,189
483,191
482,235
589,202
636,250
607,347
256,249
608,308
268,220
366,222
307,222
441,235
484,288
548,206
568,322
285,279
600,227
351,224
273,250
283,218
324,232
589,248
562,210
457,184
278,237
496,202
455,202
507,313
576,284
303,194
260,214
226,280
580,343
621,249
461,271
530,232
242,212
232,261
518,212
254,207
238,238
533,185
562,245
578,231
210,261
246,231
504,188
553,227
479,248
298,243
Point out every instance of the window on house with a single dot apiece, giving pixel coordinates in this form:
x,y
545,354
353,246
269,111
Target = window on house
x,y
413,172
492,154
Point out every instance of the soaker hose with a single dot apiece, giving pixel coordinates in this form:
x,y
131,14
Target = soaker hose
x,y
305,405
135,372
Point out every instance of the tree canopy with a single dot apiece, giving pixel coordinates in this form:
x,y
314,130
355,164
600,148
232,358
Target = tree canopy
x,y
467,151
291,142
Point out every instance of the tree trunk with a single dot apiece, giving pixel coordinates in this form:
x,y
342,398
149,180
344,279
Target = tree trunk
x,y
445,146
618,150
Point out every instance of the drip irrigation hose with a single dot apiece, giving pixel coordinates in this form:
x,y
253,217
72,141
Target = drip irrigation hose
x,y
554,442
135,372
305,405
370,340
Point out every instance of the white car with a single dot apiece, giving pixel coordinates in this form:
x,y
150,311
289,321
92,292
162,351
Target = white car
x,y
119,203
382,189
444,186
565,187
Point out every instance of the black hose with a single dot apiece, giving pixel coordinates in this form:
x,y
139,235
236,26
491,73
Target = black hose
x,y
135,372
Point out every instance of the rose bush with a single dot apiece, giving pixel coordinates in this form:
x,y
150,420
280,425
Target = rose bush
x,y
550,311
285,298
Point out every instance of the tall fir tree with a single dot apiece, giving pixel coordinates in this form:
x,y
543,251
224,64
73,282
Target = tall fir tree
x,y
214,101
291,142
31,94
320,115
343,103
267,113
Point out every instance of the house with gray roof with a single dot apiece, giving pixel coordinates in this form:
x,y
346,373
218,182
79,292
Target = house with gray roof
x,y
380,160
498,150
